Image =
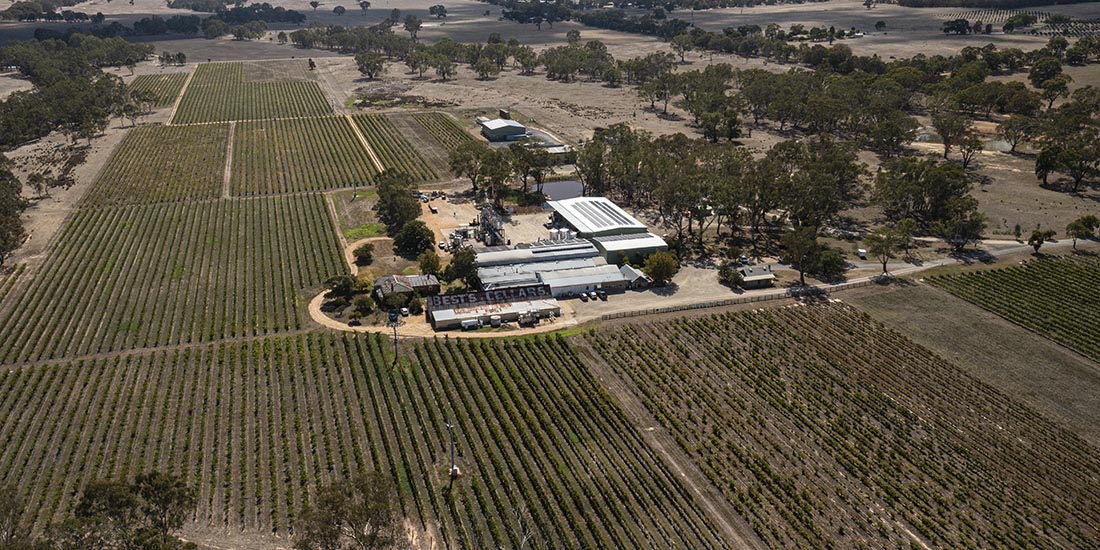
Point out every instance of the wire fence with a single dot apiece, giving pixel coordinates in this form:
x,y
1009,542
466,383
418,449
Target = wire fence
x,y
794,292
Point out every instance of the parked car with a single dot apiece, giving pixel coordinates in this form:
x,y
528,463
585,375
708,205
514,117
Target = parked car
x,y
602,295
584,296
404,312
443,245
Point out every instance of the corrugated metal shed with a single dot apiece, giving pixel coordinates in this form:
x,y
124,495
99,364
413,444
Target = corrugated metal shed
x,y
596,217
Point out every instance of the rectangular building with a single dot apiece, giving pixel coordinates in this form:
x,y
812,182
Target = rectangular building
x,y
595,217
633,246
567,283
534,302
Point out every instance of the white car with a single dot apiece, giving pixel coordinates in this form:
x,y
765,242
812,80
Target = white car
x,y
404,312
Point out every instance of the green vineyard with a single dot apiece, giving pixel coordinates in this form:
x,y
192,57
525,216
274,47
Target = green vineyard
x,y
395,152
142,276
827,430
443,129
255,426
219,92
288,156
8,280
147,166
164,87
1058,297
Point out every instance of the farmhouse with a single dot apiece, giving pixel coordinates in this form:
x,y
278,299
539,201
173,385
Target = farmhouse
x,y
757,276
502,129
634,277
425,285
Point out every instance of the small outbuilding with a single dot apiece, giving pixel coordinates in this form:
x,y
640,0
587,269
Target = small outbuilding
x,y
634,277
502,129
757,276
425,285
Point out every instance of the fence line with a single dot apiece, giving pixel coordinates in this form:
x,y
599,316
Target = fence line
x,y
790,293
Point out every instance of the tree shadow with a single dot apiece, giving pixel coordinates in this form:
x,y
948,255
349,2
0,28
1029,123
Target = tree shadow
x,y
970,257
666,291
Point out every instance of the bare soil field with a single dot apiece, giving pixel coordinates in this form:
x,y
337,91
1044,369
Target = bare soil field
x,y
1061,384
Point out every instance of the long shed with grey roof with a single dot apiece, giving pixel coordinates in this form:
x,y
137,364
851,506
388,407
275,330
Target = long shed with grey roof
x,y
595,217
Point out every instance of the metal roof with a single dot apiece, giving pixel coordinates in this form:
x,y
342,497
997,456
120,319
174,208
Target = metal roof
x,y
757,273
596,216
548,305
538,252
630,241
631,273
582,276
498,123
500,276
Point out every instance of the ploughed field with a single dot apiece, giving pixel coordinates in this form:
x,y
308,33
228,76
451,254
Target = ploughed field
x,y
826,429
257,425
1056,297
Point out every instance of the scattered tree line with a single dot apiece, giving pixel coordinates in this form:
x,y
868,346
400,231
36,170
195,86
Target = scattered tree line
x,y
33,10
138,515
71,93
241,21
363,512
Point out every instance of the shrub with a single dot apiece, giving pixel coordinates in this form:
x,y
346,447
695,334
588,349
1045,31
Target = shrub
x,y
364,254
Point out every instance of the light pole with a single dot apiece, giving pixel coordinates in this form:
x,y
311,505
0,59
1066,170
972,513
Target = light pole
x,y
454,468
395,322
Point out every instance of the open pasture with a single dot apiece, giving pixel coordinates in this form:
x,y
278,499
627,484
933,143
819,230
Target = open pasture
x,y
257,425
290,156
170,274
163,164
825,429
395,152
1056,297
219,92
164,87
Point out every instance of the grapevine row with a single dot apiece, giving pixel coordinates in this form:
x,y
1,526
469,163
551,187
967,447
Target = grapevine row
x,y
163,164
164,87
443,129
284,156
1057,297
395,152
218,92
257,426
168,274
825,429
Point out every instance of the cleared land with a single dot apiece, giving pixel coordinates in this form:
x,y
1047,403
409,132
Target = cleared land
x,y
289,156
220,92
256,425
164,87
1057,297
825,428
163,164
395,152
170,274
444,129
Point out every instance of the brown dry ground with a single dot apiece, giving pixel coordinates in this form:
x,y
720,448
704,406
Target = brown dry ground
x,y
1059,383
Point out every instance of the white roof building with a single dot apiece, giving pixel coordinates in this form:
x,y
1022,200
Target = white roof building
x,y
596,217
